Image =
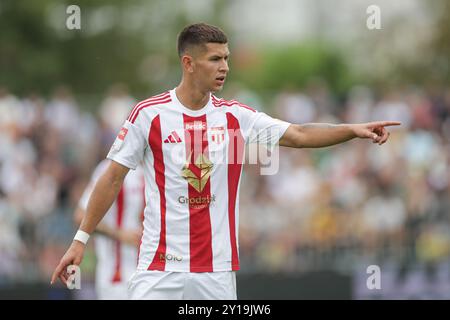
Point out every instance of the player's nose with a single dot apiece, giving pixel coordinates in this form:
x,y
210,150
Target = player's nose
x,y
224,67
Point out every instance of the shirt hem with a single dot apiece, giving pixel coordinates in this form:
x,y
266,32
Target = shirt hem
x,y
122,162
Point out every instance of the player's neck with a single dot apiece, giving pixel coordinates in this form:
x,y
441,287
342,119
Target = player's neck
x,y
191,97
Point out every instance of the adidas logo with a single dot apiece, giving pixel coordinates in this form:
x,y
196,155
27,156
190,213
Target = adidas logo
x,y
173,138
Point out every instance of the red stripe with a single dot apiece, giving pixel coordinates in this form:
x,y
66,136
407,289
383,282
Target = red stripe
x,y
159,96
235,159
119,218
151,103
155,142
200,238
230,104
146,101
222,102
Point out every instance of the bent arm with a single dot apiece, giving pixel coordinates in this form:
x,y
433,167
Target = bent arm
x,y
316,135
105,192
102,197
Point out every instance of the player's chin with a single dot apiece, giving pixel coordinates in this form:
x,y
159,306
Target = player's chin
x,y
217,88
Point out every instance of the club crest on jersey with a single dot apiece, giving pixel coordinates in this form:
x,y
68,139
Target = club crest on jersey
x,y
197,174
217,134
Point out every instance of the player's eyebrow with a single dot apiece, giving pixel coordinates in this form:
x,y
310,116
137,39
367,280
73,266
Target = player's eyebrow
x,y
219,56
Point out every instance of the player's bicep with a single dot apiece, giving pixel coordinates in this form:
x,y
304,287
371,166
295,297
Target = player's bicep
x,y
292,137
109,182
117,171
266,130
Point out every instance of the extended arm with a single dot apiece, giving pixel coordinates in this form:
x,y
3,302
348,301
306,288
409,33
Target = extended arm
x,y
316,135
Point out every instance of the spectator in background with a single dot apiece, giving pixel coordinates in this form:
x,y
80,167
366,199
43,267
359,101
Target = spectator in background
x,y
116,107
62,112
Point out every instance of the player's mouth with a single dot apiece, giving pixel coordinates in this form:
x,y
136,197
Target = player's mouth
x,y
220,80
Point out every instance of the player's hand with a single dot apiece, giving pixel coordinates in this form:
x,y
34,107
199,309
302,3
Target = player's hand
x,y
374,130
130,237
73,256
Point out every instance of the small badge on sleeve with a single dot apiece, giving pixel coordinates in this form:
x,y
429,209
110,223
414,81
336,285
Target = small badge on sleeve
x,y
123,132
120,138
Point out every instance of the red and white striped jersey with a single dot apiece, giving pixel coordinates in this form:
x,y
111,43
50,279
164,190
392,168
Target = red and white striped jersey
x,y
116,262
192,166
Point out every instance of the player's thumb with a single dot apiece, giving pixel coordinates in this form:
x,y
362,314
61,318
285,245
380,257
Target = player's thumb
x,y
369,134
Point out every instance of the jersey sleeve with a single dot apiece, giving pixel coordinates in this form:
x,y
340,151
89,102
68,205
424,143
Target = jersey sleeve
x,y
265,130
129,147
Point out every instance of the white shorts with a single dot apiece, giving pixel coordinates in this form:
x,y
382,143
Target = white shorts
x,y
168,285
116,291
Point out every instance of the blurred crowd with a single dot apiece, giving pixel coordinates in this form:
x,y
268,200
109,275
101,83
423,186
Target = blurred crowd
x,y
49,149
356,204
327,208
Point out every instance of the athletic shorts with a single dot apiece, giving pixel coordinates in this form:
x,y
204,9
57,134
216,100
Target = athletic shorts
x,y
113,291
169,285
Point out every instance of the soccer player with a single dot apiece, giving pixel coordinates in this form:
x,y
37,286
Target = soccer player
x,y
118,235
191,143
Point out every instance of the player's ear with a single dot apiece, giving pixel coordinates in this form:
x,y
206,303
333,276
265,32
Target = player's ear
x,y
188,63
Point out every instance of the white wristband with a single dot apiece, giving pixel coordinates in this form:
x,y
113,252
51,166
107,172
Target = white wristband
x,y
81,236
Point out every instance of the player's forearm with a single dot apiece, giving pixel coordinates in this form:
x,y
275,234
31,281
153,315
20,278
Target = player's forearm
x,y
316,135
102,228
102,197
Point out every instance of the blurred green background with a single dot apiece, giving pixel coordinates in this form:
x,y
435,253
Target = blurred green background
x,y
327,215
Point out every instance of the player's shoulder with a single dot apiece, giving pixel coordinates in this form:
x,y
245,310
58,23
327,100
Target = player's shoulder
x,y
223,103
151,103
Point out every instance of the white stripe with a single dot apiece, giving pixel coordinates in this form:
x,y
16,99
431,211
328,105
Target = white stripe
x,y
152,214
177,223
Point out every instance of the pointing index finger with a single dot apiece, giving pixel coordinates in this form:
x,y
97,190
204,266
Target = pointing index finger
x,y
57,272
387,123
